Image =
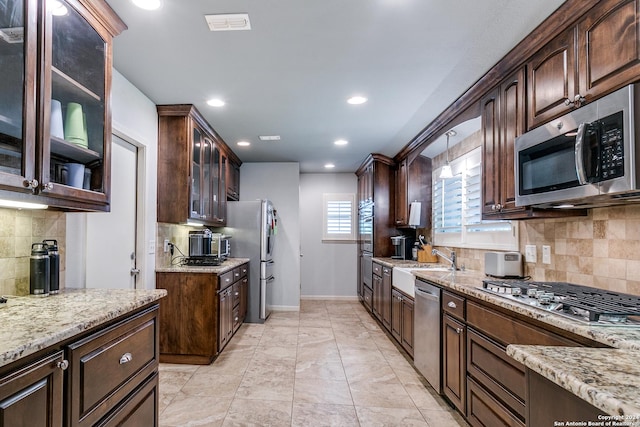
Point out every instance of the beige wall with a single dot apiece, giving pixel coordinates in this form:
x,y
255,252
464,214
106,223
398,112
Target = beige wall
x,y
18,230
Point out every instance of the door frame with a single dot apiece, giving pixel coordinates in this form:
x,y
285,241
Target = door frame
x,y
141,259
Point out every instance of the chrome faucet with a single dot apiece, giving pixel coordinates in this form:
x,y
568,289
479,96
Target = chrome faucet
x,y
451,258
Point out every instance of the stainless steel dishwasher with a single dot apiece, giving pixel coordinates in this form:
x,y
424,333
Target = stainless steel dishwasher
x,y
427,332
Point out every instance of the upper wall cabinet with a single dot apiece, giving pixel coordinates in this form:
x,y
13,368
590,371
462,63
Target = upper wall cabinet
x,y
599,54
413,184
193,163
55,121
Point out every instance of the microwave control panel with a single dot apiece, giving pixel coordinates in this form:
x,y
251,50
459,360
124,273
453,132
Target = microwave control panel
x,y
611,147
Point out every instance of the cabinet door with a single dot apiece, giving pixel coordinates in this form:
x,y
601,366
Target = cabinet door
x,y
377,297
609,47
221,218
18,109
512,116
195,199
226,310
207,192
491,152
76,136
407,324
453,361
402,194
386,297
233,182
32,396
244,290
551,79
396,315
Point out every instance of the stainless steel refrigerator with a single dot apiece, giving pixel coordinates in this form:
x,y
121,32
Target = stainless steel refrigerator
x,y
252,226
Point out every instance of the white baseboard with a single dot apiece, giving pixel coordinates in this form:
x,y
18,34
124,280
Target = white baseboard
x,y
353,298
285,308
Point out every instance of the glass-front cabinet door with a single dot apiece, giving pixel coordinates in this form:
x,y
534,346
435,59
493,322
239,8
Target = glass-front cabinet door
x,y
75,141
17,94
195,202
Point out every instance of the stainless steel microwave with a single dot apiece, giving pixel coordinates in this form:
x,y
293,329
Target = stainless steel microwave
x,y
583,159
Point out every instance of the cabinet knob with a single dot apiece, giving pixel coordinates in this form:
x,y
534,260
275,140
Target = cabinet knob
x,y
237,293
498,207
47,186
452,304
31,183
64,364
577,101
458,331
126,358
236,319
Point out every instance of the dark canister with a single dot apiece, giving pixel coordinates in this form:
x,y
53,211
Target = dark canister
x,y
39,270
54,265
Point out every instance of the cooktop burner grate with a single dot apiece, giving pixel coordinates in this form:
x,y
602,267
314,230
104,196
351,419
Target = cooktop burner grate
x,y
580,300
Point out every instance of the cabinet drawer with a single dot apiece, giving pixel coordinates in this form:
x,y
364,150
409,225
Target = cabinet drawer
x,y
236,318
244,270
484,410
453,304
105,367
138,409
235,293
226,279
368,297
377,269
507,330
490,366
237,274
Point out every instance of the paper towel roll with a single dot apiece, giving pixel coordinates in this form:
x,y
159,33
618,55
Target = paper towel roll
x,y
414,214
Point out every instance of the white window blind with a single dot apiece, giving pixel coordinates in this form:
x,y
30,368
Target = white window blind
x,y
457,209
339,217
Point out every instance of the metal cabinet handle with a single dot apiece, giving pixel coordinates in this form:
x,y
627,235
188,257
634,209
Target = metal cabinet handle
x,y
228,280
126,358
31,184
452,304
64,364
458,331
237,293
47,186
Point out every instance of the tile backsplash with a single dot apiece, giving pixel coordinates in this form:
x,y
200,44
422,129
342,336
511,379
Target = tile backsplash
x,y
178,235
600,250
18,230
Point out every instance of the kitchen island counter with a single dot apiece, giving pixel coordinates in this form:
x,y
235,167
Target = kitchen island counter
x,y
31,324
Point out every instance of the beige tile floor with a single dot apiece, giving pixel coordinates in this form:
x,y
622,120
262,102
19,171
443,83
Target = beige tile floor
x,y
328,365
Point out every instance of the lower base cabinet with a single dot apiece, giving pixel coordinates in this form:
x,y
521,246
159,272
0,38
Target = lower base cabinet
x,y
402,319
106,378
454,372
33,395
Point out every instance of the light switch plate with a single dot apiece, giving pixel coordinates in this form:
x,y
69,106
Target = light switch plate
x,y
546,254
152,247
530,253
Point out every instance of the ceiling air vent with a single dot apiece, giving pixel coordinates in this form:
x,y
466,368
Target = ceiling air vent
x,y
228,22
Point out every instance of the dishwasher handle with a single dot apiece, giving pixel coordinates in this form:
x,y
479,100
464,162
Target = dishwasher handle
x,y
426,295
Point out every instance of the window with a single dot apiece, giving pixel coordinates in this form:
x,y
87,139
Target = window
x,y
339,217
457,209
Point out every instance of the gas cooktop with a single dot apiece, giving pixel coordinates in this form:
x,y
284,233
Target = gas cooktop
x,y
585,304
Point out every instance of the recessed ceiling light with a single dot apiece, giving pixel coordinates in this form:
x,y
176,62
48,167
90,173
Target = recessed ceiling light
x,y
269,137
341,142
356,100
329,166
216,102
244,143
148,4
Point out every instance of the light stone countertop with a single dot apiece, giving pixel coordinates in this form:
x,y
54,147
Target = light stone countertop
x,y
30,323
607,378
228,264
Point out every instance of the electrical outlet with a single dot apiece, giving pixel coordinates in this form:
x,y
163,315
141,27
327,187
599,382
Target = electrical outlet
x,y
530,253
152,247
546,254
166,245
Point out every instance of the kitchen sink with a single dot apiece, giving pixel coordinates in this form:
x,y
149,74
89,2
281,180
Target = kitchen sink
x,y
404,280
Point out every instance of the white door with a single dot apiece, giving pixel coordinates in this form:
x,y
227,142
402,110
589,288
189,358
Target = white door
x,y
111,237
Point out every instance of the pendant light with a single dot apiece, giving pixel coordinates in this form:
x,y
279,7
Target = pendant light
x,y
446,169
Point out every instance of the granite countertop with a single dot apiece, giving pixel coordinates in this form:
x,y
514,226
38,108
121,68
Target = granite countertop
x,y
30,323
228,264
403,263
607,378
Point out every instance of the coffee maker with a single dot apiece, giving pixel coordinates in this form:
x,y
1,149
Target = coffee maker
x,y
402,247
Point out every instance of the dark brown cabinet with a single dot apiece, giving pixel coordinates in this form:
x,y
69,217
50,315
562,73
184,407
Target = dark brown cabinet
x,y
402,319
454,370
378,292
56,116
590,59
192,168
33,395
386,297
413,184
233,181
503,113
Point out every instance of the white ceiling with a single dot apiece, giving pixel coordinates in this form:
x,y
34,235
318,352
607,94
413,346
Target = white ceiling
x,y
291,74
